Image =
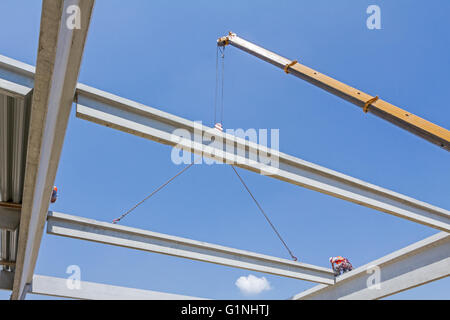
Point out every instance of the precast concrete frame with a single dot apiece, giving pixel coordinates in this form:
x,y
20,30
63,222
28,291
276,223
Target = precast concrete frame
x,y
55,88
59,55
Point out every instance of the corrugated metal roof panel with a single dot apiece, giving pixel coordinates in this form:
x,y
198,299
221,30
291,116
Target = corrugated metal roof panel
x,y
14,122
5,145
15,111
8,249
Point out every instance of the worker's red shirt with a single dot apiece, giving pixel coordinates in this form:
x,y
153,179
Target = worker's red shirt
x,y
338,260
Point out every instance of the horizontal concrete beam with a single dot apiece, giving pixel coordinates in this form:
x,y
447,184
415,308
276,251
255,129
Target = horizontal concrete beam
x,y
58,287
18,73
13,89
422,262
135,118
86,229
9,218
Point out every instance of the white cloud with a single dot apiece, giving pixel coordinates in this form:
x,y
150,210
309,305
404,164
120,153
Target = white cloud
x,y
252,285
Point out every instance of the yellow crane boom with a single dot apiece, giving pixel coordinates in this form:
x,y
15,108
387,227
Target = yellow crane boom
x,y
378,107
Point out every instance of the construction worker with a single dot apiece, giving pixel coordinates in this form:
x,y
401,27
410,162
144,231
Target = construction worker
x,y
54,194
340,265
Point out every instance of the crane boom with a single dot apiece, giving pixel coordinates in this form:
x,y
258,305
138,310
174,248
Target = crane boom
x,y
378,107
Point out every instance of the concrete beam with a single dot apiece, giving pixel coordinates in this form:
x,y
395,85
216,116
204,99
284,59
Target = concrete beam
x,y
59,56
132,117
20,74
86,229
9,217
57,287
13,89
143,121
415,265
6,280
15,72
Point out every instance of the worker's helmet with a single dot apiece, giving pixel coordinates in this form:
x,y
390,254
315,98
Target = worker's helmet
x,y
54,194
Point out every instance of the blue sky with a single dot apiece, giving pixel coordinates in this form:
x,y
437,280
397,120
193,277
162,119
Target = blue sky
x,y
162,54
